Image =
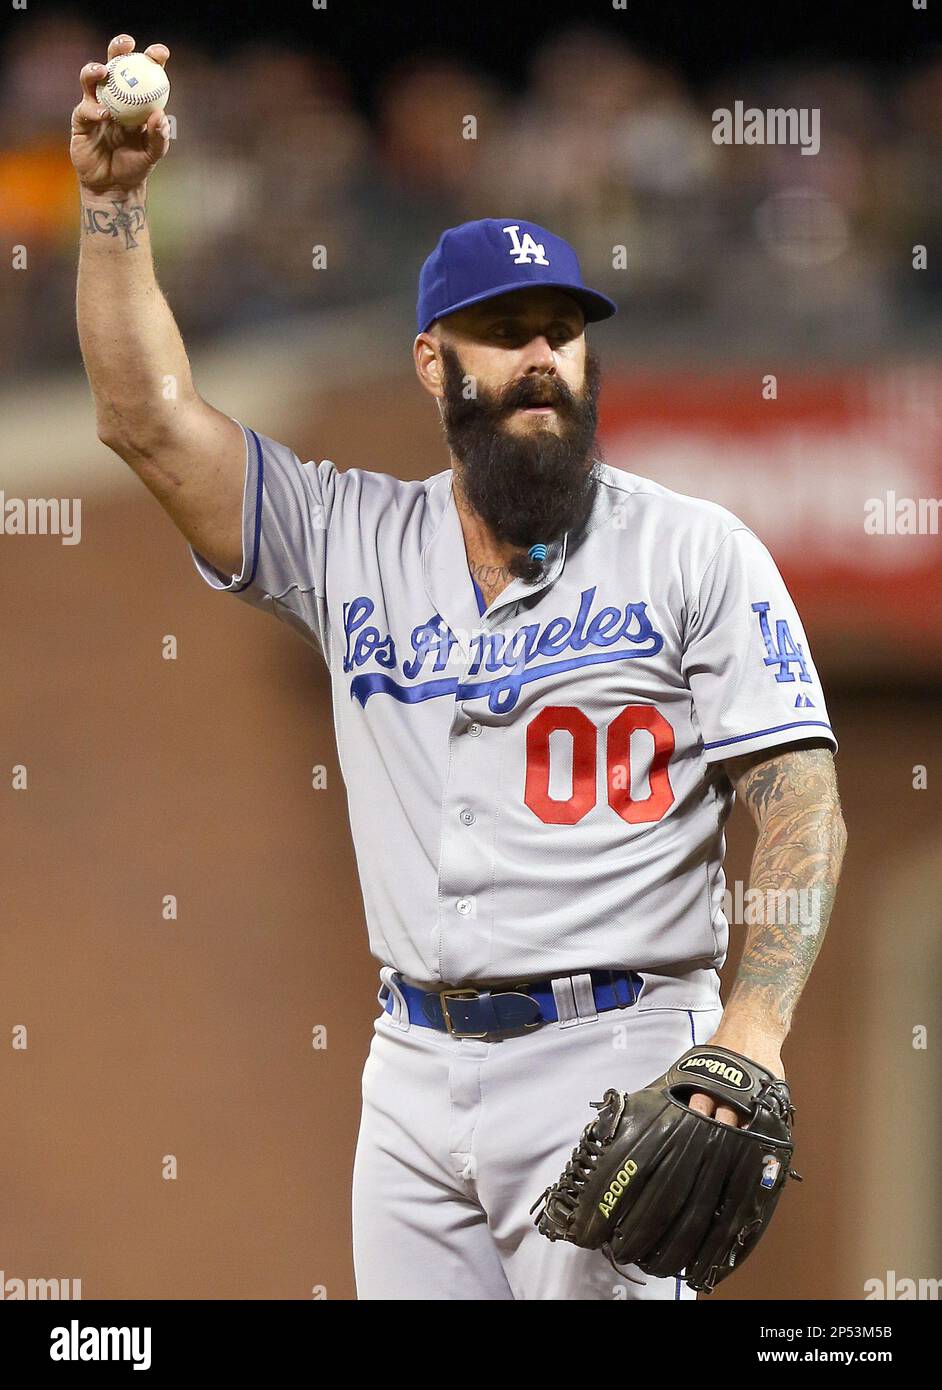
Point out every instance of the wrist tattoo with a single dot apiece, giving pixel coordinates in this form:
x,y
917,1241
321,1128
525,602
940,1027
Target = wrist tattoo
x,y
124,218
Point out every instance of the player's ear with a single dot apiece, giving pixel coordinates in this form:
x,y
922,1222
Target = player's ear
x,y
427,356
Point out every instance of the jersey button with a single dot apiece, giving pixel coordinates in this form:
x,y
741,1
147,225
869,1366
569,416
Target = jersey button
x,y
474,730
467,817
465,906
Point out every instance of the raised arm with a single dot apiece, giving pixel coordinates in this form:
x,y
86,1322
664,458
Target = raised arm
x,y
190,455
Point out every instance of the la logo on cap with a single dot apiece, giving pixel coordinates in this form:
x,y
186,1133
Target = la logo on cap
x,y
526,252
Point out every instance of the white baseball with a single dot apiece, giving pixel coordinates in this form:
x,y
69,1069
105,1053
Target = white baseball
x,y
135,87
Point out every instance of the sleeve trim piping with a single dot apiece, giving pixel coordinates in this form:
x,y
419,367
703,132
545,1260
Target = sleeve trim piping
x,y
259,489
777,729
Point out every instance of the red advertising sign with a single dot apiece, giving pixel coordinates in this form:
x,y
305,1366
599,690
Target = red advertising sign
x,y
840,476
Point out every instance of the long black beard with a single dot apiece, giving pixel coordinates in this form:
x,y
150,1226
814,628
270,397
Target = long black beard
x,y
530,488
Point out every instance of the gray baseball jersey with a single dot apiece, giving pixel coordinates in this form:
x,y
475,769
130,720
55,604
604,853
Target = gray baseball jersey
x,y
535,790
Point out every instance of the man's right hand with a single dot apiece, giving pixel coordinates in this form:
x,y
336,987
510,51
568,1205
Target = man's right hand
x,y
191,456
108,157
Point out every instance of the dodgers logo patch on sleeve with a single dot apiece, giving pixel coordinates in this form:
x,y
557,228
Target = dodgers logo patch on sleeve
x,y
787,652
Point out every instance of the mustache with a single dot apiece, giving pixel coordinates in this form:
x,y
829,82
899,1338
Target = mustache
x,y
514,396
535,391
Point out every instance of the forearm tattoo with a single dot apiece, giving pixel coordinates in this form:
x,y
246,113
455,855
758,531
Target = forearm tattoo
x,y
794,801
124,219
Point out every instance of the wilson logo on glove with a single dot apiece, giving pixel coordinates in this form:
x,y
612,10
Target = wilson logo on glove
x,y
706,1061
695,1195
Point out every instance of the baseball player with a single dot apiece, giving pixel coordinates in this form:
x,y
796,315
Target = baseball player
x,y
550,679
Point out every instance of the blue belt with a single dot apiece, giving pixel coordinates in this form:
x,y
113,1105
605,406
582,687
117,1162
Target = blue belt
x,y
476,1013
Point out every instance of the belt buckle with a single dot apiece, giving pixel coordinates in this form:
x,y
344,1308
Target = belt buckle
x,y
444,995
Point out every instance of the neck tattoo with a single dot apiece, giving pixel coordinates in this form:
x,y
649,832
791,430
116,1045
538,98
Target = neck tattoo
x,y
488,576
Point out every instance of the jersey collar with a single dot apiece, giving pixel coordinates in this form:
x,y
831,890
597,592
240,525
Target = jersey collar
x,y
448,583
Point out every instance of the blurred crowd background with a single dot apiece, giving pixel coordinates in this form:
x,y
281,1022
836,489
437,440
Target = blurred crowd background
x,y
729,250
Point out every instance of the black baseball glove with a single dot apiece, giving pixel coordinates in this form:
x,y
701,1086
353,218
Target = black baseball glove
x,y
655,1184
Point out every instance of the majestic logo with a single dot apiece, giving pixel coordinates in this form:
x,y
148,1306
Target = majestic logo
x,y
526,252
620,1181
723,1071
502,663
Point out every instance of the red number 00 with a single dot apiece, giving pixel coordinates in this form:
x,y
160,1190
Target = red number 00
x,y
584,735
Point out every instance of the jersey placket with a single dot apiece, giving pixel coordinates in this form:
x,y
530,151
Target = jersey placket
x,y
468,902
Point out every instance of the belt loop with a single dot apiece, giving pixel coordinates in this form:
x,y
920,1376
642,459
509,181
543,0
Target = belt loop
x,y
399,1012
565,999
624,987
575,999
584,995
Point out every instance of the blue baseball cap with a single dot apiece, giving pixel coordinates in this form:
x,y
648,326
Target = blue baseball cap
x,y
480,260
